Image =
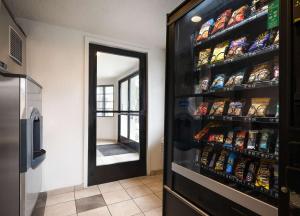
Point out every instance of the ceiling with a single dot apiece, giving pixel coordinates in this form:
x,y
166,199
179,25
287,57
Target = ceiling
x,y
135,21
111,66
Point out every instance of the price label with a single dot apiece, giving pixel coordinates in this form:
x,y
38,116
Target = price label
x,y
273,14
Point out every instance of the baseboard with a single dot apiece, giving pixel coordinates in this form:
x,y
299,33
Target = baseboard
x,y
156,172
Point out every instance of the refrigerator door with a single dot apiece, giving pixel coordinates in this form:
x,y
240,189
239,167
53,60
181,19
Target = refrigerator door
x,y
222,116
9,146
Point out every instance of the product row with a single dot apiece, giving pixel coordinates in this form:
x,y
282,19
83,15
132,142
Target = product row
x,y
267,71
263,173
236,48
256,107
229,18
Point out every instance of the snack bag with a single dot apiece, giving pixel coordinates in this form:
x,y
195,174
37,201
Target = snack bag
x,y
217,108
235,79
250,177
265,136
237,47
219,52
212,161
202,109
259,5
204,57
277,111
276,40
221,21
275,176
276,71
218,82
258,107
229,140
230,162
240,140
240,168
235,108
220,164
238,15
252,138
205,29
218,138
260,42
264,175
260,73
206,154
204,84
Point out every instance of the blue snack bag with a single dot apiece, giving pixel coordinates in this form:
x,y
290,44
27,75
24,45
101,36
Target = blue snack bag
x,y
230,162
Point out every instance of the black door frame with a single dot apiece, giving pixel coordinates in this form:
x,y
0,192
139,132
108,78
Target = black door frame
x,y
113,172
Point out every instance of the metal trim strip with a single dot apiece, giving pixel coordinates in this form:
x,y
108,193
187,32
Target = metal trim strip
x,y
195,208
238,197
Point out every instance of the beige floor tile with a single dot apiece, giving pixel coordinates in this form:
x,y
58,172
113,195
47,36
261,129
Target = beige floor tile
x,y
103,211
138,191
60,198
140,214
60,191
87,192
79,187
159,195
154,212
110,187
62,209
133,182
115,196
147,203
156,186
151,180
126,208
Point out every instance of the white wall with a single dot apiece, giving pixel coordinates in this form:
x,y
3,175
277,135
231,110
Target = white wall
x,y
55,57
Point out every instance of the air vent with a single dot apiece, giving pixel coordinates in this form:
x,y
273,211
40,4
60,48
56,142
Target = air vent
x,y
15,46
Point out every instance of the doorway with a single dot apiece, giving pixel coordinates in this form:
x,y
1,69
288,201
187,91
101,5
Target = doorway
x,y
117,114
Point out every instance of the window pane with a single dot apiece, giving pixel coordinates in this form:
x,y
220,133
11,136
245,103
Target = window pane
x,y
109,106
109,97
134,128
124,96
100,106
99,90
99,114
124,126
134,93
109,90
109,114
100,97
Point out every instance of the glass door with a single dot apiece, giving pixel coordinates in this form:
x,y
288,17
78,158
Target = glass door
x,y
226,101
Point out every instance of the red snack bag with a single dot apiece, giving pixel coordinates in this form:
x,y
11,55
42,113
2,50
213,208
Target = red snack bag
x,y
222,20
238,15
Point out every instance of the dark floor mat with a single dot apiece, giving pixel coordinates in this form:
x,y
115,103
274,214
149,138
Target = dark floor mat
x,y
114,149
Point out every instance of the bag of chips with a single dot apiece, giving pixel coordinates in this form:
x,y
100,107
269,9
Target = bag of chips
x,y
235,79
237,47
260,42
221,21
218,82
205,29
220,164
264,175
238,15
276,40
212,161
250,177
230,162
217,138
219,52
240,140
235,108
277,111
204,84
202,109
276,71
252,138
258,107
260,73
240,168
206,154
265,137
259,5
203,57
217,108
229,140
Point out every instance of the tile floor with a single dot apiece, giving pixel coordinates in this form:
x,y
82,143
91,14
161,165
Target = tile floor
x,y
141,196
